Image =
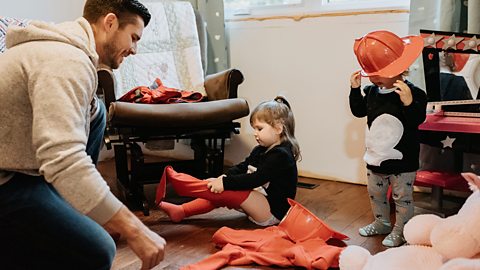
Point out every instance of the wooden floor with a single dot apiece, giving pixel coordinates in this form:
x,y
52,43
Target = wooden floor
x,y
345,207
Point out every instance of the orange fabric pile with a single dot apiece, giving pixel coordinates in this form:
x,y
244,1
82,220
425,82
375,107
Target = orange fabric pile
x,y
299,240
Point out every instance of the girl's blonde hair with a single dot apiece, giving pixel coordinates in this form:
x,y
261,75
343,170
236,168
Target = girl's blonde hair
x,y
278,111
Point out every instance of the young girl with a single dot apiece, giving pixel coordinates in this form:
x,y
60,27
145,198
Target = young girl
x,y
259,186
394,108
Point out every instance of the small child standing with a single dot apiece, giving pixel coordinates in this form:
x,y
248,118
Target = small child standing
x,y
260,185
394,108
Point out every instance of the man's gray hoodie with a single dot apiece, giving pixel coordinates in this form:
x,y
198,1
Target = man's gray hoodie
x,y
48,82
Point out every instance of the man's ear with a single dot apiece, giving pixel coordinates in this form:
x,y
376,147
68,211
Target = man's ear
x,y
110,22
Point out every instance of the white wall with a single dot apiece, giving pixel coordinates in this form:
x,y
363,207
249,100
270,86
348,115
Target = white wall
x,y
309,61
46,10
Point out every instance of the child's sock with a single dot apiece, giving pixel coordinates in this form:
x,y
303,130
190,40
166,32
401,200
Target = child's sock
x,y
375,228
178,212
175,212
394,239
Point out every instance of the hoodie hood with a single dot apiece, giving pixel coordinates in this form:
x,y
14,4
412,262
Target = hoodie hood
x,y
77,33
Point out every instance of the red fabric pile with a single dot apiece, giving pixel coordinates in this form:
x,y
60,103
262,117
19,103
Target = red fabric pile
x,y
160,94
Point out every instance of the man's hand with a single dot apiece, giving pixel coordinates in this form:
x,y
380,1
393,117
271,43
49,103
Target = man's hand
x,y
147,245
356,79
216,184
404,92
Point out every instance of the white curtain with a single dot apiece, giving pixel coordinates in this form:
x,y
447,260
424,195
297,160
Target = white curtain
x,y
441,15
445,15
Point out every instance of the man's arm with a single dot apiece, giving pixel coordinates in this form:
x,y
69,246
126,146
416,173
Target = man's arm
x,y
148,245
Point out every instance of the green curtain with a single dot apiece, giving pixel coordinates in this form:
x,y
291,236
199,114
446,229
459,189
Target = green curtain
x,y
212,13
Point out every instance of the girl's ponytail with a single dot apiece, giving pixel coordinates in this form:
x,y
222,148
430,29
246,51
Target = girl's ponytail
x,y
282,99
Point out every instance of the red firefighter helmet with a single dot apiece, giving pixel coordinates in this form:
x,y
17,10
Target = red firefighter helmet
x,y
300,225
384,54
460,60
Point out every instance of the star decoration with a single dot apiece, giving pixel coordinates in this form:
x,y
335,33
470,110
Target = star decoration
x,y
471,44
448,142
431,41
451,42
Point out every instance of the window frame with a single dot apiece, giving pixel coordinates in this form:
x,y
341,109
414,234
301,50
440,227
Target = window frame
x,y
316,6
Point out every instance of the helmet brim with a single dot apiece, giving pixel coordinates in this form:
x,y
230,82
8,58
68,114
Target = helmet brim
x,y
413,48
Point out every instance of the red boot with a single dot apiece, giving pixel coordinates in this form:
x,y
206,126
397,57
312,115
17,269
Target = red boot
x,y
187,185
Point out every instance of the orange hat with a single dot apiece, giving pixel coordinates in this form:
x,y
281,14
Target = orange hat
x,y
300,225
460,60
384,54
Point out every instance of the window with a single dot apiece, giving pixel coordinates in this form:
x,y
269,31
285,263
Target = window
x,y
258,3
282,7
336,1
236,6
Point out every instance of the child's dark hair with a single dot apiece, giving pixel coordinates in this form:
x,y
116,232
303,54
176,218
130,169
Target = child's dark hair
x,y
278,111
124,9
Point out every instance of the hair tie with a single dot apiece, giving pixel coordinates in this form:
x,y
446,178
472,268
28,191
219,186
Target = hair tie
x,y
282,99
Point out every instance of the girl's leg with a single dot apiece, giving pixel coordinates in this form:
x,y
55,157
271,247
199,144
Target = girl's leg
x,y
377,190
402,193
187,185
40,230
178,212
257,208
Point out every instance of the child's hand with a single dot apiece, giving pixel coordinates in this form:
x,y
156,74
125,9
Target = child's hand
x,y
404,92
356,79
215,184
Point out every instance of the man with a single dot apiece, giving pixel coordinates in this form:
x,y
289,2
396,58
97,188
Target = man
x,y
53,201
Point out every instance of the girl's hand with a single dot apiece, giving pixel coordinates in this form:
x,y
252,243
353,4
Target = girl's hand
x,y
356,79
215,184
404,92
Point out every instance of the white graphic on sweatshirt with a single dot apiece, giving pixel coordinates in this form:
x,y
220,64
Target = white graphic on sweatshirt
x,y
383,135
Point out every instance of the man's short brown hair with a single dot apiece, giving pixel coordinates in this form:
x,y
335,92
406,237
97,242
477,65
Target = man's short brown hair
x,y
124,9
